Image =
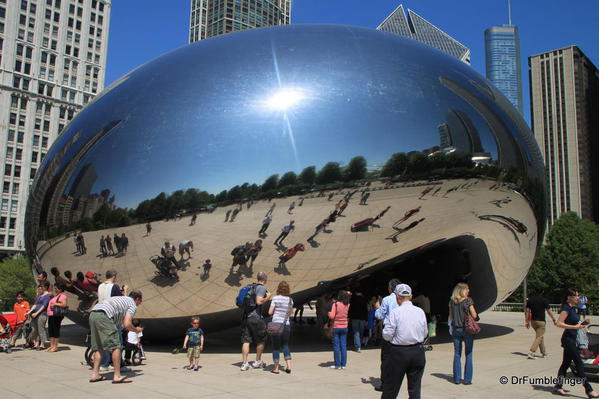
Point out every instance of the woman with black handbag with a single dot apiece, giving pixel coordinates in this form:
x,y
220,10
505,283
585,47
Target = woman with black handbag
x,y
462,316
57,309
279,328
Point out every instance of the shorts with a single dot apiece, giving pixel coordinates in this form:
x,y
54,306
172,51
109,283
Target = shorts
x,y
193,352
253,331
104,333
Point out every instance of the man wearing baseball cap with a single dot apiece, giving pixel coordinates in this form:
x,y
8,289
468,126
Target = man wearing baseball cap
x,y
405,332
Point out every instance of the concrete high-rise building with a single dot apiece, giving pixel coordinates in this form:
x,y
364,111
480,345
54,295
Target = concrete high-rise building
x,y
564,86
503,65
211,18
415,27
52,63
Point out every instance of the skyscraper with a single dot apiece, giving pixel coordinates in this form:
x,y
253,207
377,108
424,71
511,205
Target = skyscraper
x,y
564,103
415,27
502,58
211,18
52,62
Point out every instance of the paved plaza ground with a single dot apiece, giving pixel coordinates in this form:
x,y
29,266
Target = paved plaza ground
x,y
499,351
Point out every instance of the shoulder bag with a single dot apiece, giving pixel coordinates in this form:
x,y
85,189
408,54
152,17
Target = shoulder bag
x,y
327,330
470,325
59,311
276,328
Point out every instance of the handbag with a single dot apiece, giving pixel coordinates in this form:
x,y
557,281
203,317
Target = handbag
x,y
470,325
327,330
59,311
276,328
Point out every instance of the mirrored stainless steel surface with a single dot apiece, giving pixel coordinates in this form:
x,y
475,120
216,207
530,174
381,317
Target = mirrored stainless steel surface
x,y
228,128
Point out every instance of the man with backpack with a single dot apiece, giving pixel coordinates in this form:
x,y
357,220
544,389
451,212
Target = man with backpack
x,y
253,326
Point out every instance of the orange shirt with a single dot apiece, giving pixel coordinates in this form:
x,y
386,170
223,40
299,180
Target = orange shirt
x,y
20,309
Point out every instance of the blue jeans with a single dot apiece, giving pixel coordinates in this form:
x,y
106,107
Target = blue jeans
x,y
459,336
281,343
357,327
340,346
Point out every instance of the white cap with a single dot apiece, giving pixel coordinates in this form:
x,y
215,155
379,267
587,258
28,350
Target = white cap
x,y
403,290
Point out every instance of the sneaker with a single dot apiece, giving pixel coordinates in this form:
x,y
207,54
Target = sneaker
x,y
105,368
358,350
245,366
530,356
258,364
335,368
342,367
545,355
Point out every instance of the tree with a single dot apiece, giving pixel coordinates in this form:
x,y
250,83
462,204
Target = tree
x,y
234,194
288,179
418,162
570,258
396,165
15,276
270,183
356,169
330,173
221,197
308,175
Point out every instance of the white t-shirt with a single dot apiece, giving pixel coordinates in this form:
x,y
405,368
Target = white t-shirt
x,y
283,305
133,337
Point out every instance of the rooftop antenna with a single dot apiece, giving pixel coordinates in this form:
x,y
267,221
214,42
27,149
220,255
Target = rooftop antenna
x,y
509,12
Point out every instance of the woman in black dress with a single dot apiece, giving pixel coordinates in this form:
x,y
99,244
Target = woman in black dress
x,y
568,320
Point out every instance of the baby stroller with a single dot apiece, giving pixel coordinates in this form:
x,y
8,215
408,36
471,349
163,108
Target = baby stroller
x,y
11,327
588,345
164,267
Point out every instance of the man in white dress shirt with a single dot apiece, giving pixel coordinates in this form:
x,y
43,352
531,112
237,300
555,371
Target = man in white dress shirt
x,y
383,310
405,332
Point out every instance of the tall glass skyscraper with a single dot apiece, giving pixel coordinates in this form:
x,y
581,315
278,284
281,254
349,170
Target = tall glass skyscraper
x,y
415,27
216,17
502,56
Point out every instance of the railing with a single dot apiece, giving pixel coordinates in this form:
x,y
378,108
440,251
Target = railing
x,y
519,307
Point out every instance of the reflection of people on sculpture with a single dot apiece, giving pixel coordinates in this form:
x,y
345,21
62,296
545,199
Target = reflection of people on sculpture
x,y
289,254
185,247
380,215
331,196
68,285
124,244
109,247
321,226
301,201
265,224
436,191
271,209
425,191
291,207
252,253
206,266
227,214
148,228
80,244
165,266
71,282
407,215
284,233
364,198
342,207
88,282
117,244
168,252
399,230
194,217
239,253
103,250
300,310
234,214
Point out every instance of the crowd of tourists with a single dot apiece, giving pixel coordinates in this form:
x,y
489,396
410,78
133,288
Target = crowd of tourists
x,y
403,322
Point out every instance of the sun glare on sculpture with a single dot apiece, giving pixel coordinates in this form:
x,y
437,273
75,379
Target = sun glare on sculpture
x,y
285,98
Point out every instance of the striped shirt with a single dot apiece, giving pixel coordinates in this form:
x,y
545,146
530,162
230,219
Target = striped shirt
x,y
117,307
283,306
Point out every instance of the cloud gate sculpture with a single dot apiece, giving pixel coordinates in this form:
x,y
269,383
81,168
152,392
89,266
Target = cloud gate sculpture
x,y
390,158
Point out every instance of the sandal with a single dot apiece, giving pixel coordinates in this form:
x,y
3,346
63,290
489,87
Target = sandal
x,y
275,371
100,378
559,391
288,371
123,380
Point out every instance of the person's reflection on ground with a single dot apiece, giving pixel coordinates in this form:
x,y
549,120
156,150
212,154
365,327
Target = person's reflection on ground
x,y
148,229
185,247
206,266
109,248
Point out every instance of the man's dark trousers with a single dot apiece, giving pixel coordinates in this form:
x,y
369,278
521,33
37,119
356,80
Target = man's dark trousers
x,y
403,360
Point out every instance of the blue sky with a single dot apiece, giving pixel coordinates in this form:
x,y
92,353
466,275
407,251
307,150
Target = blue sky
x,y
141,30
